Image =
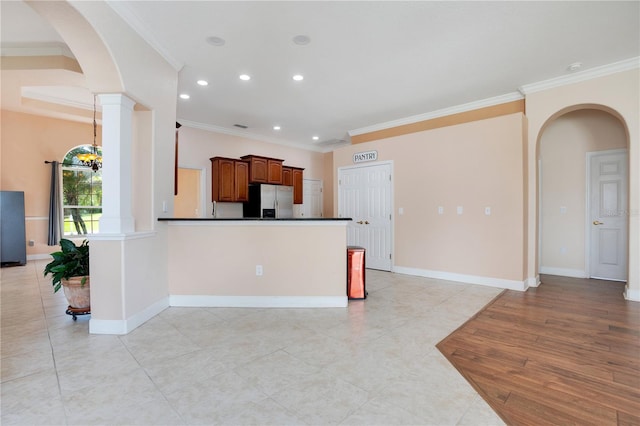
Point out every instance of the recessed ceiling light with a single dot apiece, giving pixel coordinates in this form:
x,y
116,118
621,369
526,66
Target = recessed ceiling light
x,y
574,66
315,138
298,77
203,82
245,77
184,96
301,39
216,41
276,127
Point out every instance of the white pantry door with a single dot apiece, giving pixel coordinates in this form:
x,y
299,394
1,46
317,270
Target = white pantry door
x,y
608,207
364,194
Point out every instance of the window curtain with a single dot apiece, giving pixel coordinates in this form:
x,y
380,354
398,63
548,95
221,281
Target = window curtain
x,y
55,206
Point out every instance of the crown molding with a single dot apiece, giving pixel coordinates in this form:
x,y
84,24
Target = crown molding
x,y
27,92
36,49
496,100
616,67
125,12
245,134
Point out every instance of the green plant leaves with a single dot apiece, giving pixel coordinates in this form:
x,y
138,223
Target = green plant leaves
x,y
72,261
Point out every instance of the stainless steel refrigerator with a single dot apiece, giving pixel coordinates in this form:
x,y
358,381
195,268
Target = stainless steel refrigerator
x,y
269,201
13,250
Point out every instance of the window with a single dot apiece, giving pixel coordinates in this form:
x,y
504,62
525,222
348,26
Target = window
x,y
81,194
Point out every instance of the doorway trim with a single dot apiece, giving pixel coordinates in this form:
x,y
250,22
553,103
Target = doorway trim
x,y
587,210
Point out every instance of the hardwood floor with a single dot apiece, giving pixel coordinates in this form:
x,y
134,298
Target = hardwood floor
x,y
567,352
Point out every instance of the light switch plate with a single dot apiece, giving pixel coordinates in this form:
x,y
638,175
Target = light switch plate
x,y
459,209
440,210
487,211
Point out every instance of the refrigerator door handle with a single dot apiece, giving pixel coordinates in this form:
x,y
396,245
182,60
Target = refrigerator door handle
x,y
276,207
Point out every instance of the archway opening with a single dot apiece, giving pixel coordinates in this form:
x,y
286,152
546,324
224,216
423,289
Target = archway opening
x,y
566,141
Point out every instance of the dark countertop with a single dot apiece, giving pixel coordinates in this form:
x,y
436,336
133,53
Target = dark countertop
x,y
254,219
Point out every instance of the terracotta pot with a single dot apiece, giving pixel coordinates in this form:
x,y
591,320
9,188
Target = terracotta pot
x,y
77,294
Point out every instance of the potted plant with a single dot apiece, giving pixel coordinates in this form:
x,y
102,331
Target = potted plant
x,y
70,270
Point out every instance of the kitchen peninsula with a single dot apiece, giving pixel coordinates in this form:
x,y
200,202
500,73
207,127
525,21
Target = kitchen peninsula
x,y
249,262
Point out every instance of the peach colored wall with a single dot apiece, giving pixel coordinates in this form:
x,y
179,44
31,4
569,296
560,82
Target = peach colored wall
x,y
473,165
563,150
327,189
26,142
219,259
187,202
617,93
197,146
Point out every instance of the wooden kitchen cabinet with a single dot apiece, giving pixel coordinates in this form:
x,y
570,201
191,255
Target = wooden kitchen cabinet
x,y
287,176
297,178
264,169
292,176
229,180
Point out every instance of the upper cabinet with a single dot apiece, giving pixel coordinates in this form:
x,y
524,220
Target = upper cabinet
x,y
230,177
297,184
229,180
287,176
292,176
264,169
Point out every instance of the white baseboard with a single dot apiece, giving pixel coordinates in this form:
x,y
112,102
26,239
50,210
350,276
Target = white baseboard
x,y
39,256
259,301
97,326
533,281
563,272
463,278
633,295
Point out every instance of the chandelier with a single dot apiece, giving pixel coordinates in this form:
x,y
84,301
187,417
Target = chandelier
x,y
92,159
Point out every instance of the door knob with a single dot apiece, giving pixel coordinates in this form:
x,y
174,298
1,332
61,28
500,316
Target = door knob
x,y
597,222
360,222
366,222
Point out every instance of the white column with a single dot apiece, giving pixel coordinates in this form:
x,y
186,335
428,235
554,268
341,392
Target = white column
x,y
117,139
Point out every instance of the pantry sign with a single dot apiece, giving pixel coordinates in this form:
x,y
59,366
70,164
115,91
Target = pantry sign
x,y
362,157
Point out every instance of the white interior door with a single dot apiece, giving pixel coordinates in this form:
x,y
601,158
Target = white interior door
x,y
364,194
311,198
608,205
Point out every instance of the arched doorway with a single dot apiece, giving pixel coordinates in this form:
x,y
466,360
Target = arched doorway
x,y
567,234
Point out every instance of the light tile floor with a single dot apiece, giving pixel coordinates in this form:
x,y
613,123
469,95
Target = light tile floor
x,y
374,363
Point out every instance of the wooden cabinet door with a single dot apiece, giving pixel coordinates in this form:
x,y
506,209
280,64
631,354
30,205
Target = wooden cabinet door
x,y
241,181
287,176
257,170
275,171
297,185
222,179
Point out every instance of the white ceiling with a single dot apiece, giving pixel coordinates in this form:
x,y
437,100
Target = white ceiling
x,y
368,63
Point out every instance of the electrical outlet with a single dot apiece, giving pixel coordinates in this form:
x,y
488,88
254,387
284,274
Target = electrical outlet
x,y
32,243
259,270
